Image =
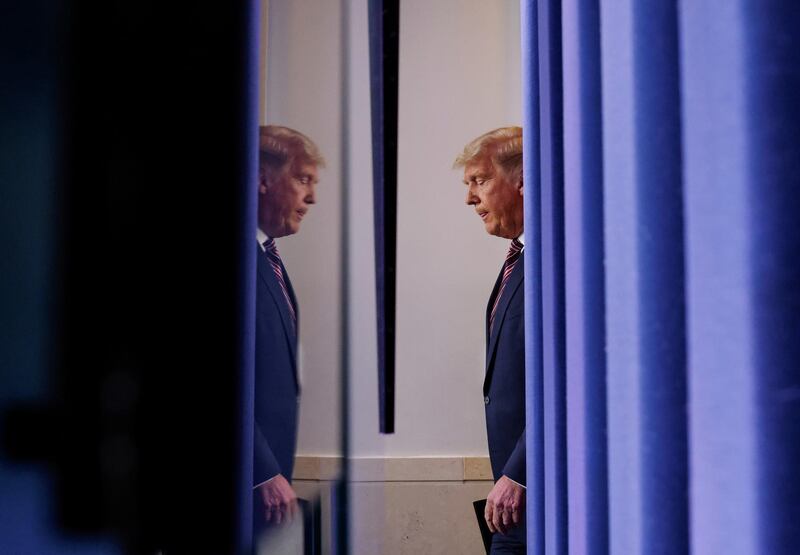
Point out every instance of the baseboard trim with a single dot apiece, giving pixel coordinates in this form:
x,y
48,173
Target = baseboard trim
x,y
395,469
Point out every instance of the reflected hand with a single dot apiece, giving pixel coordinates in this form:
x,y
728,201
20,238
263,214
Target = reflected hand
x,y
504,505
280,501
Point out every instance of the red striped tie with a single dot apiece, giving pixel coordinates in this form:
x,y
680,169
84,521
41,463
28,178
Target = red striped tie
x,y
275,261
511,260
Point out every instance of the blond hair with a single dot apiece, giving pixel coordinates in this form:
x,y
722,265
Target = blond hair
x,y
279,147
503,146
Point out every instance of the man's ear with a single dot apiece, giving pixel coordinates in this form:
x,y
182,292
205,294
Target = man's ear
x,y
520,186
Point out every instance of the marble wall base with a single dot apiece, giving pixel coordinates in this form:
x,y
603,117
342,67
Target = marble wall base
x,y
404,505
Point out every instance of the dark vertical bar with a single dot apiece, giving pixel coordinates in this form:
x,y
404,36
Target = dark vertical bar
x,y
552,284
31,56
534,411
154,204
153,229
247,285
384,43
584,280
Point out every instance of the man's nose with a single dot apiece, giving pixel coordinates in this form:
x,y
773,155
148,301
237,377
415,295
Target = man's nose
x,y
471,198
311,196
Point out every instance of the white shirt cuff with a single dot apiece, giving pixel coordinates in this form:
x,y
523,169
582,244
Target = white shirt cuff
x,y
265,481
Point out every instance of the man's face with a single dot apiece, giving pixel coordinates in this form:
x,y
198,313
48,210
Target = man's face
x,y
496,199
283,200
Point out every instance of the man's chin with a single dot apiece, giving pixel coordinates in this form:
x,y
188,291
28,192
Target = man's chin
x,y
285,232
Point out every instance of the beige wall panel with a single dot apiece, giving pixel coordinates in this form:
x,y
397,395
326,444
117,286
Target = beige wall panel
x,y
414,518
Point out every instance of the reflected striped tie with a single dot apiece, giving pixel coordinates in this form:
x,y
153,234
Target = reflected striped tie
x,y
275,261
511,260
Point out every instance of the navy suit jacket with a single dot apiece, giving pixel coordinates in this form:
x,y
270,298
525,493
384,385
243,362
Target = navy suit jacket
x,y
504,384
276,388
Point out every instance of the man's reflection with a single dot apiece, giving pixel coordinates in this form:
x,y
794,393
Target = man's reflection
x,y
287,178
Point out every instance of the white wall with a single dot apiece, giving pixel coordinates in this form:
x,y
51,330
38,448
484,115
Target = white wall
x,y
303,92
459,77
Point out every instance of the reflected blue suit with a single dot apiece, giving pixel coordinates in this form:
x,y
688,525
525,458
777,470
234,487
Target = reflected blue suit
x,y
504,392
276,388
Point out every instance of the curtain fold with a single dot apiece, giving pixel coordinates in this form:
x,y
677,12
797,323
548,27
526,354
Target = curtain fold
x,y
584,279
534,398
646,369
551,182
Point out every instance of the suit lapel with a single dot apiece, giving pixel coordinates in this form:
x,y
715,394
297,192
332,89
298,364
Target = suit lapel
x,y
514,282
489,306
266,274
290,289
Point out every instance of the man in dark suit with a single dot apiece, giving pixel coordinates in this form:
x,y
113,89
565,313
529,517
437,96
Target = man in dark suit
x,y
493,175
288,162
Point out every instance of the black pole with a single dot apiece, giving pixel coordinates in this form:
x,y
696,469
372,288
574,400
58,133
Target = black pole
x,y
384,48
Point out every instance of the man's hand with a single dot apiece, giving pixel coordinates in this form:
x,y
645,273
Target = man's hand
x,y
280,502
504,505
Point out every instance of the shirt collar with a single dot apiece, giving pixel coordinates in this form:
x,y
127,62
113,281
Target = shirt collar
x,y
521,239
261,237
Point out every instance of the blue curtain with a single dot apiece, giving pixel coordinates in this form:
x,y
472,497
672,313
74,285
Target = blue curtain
x,y
662,189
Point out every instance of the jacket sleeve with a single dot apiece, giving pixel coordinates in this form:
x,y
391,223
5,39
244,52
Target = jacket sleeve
x,y
265,465
515,466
